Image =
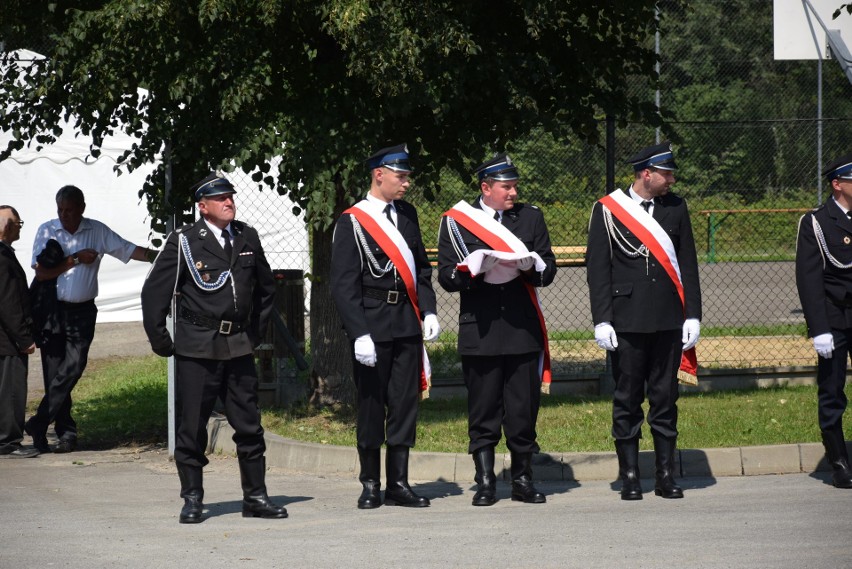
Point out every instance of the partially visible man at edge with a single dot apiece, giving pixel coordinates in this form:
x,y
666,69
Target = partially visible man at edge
x,y
16,339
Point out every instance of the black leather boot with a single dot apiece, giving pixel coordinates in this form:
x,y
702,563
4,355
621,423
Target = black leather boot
x,y
522,484
192,492
664,450
256,503
628,468
371,462
398,492
838,458
486,491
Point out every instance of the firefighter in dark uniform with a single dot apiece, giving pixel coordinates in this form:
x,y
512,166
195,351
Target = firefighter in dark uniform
x,y
223,286
500,336
381,323
639,316
824,280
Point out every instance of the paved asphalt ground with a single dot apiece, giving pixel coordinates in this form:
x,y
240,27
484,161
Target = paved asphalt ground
x,y
119,509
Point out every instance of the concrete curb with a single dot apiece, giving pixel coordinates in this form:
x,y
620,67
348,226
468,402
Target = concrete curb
x,y
328,460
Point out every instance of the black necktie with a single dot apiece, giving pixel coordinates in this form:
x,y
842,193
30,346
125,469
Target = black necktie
x,y
229,250
388,209
497,215
647,205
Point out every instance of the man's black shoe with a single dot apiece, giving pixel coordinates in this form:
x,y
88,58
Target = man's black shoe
x,y
65,445
39,439
19,452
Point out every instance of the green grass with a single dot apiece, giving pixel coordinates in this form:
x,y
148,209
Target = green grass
x,y
123,401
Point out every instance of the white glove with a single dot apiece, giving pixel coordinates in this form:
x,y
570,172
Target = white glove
x,y
824,344
431,328
365,350
525,264
691,331
605,336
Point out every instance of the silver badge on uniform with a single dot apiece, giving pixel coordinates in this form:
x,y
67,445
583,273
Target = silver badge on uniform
x,y
202,233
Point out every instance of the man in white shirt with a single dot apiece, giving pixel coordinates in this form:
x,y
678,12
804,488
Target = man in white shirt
x,y
64,353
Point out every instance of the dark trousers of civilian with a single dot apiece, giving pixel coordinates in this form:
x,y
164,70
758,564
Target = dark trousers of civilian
x,y
388,394
646,363
199,383
503,391
63,361
13,399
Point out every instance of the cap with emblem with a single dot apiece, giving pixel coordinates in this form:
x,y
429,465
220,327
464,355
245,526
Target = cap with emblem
x,y
839,169
392,157
500,167
213,184
659,156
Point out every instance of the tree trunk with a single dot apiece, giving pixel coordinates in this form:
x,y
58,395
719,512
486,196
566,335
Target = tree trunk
x,y
331,377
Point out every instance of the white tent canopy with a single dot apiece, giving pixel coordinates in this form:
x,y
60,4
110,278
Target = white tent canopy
x,y
29,180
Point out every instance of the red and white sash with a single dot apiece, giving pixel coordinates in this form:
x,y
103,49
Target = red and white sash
x,y
498,237
655,238
395,247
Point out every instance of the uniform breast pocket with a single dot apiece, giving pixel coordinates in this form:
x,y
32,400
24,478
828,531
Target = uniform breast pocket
x,y
247,260
674,235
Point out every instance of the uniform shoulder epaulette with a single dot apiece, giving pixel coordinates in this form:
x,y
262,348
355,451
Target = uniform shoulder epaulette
x,y
184,228
819,207
240,225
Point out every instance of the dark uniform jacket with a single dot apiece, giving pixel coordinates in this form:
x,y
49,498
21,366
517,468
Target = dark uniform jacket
x,y
634,296
825,290
350,273
498,319
15,319
247,303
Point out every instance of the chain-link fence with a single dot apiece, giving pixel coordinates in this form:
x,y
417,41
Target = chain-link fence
x,y
749,146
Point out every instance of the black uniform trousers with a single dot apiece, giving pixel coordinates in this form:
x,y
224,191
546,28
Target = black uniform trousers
x,y
13,399
388,394
831,381
505,391
199,383
646,362
63,361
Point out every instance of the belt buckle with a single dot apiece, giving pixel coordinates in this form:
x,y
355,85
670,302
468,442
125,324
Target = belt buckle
x,y
225,327
393,296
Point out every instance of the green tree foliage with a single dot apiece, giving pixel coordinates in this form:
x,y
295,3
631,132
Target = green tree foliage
x,y
319,84
726,73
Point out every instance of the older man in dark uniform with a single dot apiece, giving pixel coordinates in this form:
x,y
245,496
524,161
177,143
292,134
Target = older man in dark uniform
x,y
645,297
16,339
224,288
502,338
382,285
824,280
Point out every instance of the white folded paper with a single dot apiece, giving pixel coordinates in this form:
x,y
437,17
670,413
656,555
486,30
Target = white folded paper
x,y
499,266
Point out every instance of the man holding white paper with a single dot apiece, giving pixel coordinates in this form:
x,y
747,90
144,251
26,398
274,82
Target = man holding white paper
x,y
496,252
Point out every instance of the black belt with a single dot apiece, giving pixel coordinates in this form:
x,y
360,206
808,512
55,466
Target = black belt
x,y
77,305
389,296
223,326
